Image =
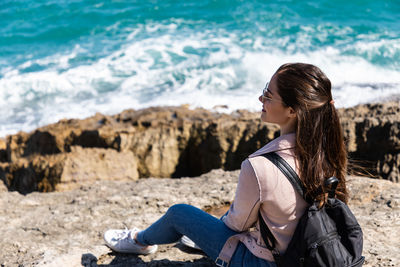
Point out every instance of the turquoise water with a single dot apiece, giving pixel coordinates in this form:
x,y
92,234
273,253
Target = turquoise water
x,y
63,59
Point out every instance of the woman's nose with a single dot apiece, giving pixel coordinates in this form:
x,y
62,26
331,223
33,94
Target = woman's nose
x,y
260,98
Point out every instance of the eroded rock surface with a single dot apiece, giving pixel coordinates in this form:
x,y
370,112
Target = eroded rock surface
x,y
175,142
373,135
158,142
65,228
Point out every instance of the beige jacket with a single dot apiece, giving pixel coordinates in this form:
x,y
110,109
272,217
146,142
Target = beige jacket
x,y
263,187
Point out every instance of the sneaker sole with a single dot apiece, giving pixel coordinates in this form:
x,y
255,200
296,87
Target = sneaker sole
x,y
189,243
151,251
106,237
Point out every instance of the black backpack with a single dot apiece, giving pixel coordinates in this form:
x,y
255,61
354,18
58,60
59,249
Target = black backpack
x,y
327,236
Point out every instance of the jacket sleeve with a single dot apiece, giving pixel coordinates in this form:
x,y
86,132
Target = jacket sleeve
x,y
243,212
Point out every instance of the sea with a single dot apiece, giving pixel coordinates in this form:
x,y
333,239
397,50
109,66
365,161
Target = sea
x,y
74,58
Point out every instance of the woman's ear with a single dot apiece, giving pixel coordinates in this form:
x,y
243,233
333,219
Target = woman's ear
x,y
292,113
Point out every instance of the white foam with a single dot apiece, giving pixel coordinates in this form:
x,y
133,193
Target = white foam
x,y
203,69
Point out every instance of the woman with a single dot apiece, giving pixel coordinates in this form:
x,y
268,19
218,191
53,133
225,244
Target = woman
x,y
298,98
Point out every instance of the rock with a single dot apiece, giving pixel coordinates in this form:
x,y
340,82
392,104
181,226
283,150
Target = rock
x,y
177,142
3,150
66,228
165,142
83,166
65,171
373,135
376,204
3,187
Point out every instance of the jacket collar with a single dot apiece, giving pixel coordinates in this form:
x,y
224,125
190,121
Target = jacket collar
x,y
283,142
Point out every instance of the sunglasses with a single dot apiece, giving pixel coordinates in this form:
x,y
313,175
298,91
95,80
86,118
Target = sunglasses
x,y
266,97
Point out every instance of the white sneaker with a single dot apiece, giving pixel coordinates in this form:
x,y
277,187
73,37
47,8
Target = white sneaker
x,y
189,243
122,241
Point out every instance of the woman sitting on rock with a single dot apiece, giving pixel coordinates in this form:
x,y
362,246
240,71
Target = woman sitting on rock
x,y
298,98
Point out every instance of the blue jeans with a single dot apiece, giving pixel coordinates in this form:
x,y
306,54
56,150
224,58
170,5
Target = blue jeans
x,y
208,232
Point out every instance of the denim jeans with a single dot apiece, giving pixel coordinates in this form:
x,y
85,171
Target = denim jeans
x,y
208,232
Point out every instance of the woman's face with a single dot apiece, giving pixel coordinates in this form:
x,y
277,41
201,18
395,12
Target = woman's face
x,y
273,109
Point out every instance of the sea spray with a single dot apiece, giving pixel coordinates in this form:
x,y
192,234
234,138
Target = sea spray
x,y
73,59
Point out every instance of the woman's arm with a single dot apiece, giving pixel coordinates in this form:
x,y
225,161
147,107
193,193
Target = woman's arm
x,y
243,212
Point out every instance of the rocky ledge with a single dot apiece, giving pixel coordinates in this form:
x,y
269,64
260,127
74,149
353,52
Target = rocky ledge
x,y
66,228
175,142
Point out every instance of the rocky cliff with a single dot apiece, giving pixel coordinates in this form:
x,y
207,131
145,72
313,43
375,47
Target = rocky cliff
x,y
175,142
373,138
66,228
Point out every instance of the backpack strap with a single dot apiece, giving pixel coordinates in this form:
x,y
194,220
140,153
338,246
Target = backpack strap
x,y
294,179
333,183
288,171
269,240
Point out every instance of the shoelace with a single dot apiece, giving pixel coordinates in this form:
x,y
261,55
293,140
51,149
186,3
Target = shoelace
x,y
124,235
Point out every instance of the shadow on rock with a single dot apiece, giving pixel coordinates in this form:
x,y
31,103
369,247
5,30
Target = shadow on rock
x,y
122,260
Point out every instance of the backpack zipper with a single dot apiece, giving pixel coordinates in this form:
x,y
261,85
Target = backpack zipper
x,y
324,239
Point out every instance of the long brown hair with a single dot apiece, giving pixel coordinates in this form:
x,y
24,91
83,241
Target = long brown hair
x,y
320,147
